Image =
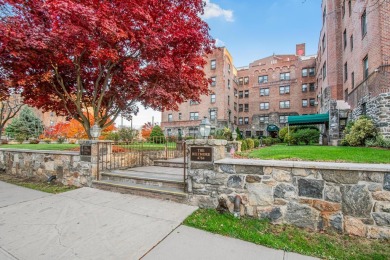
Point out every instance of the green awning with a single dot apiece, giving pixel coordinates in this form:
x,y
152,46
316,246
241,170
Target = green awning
x,y
272,128
308,119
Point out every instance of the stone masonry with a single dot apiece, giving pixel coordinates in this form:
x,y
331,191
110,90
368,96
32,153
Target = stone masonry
x,y
347,198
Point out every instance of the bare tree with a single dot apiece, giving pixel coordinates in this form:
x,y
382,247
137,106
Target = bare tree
x,y
9,107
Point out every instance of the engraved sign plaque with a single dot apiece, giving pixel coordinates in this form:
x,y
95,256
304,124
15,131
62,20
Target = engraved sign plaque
x,y
201,154
86,150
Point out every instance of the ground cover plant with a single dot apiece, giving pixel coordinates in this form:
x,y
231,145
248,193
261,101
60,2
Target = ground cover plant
x,y
36,184
289,238
322,153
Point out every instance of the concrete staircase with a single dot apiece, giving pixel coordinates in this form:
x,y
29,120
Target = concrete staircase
x,y
163,181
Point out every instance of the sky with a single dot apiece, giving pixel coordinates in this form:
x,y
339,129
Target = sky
x,y
254,29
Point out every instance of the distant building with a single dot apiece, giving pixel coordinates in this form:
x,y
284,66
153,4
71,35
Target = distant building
x,y
353,70
257,98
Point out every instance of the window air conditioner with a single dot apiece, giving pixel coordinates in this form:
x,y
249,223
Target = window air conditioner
x,y
316,103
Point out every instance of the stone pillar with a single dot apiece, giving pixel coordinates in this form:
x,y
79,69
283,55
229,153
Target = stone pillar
x,y
202,153
93,151
334,133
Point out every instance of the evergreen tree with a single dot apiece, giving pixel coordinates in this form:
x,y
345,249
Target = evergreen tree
x,y
239,135
157,135
27,125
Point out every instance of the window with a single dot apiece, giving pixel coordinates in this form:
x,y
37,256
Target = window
x,y
264,119
51,114
194,116
229,68
324,71
312,102
240,108
240,94
246,80
346,95
323,16
264,92
284,104
213,64
349,7
345,71
343,8
263,79
179,116
235,120
345,38
228,83
248,133
284,90
283,119
304,102
304,72
240,81
264,106
365,68
323,43
353,79
304,87
169,132
213,114
312,72
193,102
213,81
170,118
212,98
228,100
285,76
246,107
312,87
246,93
193,131
235,93
246,120
351,42
240,120
364,23
235,106
51,122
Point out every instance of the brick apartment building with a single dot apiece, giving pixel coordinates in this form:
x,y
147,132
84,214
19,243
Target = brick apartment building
x,y
353,71
256,98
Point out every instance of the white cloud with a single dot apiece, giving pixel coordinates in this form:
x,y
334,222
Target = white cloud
x,y
212,10
219,43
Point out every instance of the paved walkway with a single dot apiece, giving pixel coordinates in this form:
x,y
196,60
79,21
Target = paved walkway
x,y
94,224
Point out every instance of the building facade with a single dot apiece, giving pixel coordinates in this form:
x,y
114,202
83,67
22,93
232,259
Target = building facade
x,y
256,99
353,63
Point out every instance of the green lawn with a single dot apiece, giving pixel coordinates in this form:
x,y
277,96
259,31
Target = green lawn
x,y
323,153
289,238
41,146
35,184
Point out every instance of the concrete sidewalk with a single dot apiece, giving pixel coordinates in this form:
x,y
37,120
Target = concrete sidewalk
x,y
93,224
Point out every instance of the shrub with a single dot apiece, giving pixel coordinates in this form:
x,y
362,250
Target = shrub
x,y
72,141
47,140
307,136
239,135
361,130
250,143
34,141
256,142
3,141
20,138
60,139
378,141
172,138
268,141
112,136
244,145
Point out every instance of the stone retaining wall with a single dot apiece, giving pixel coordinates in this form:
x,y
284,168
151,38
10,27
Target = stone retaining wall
x,y
67,166
349,198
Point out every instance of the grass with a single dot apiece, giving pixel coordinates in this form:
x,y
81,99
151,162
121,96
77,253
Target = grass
x,y
35,184
289,238
322,153
57,147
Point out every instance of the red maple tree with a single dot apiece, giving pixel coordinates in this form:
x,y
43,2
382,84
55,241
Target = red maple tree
x,y
146,130
100,58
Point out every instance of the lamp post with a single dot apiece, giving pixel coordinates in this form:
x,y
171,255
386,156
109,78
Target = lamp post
x,y
234,135
95,131
205,128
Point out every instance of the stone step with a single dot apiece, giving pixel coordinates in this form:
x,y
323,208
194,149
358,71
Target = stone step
x,y
170,180
164,193
172,163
